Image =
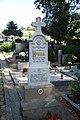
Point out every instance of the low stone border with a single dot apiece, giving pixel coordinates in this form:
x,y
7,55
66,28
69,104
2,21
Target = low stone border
x,y
62,82
12,63
73,104
3,113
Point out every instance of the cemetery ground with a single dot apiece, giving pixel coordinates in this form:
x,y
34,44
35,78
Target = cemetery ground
x,y
11,95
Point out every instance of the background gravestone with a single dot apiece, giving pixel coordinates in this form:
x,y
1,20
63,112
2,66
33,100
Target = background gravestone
x,y
59,58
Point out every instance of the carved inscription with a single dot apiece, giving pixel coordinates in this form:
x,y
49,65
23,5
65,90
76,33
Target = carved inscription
x,y
39,75
39,50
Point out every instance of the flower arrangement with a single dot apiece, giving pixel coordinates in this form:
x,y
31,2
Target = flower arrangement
x,y
50,117
25,70
74,57
22,55
69,63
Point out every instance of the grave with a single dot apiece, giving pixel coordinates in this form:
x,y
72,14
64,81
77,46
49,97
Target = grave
x,y
39,94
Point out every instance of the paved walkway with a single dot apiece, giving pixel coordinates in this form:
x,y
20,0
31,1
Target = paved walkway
x,y
12,99
14,94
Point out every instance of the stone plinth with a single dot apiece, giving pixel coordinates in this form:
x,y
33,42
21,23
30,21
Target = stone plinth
x,y
40,93
38,100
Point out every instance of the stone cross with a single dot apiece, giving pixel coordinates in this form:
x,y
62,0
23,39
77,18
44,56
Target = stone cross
x,y
38,24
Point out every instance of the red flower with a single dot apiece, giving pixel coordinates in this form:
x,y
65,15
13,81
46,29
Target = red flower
x,y
49,117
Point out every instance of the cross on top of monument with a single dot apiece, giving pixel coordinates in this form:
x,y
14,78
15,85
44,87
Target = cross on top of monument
x,y
38,24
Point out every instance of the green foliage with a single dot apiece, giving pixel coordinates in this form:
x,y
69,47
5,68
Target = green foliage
x,y
12,30
59,17
11,25
20,40
56,18
51,54
75,91
22,28
70,49
74,30
74,50
74,5
30,28
6,46
74,57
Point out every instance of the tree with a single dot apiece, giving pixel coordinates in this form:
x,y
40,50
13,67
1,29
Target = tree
x,y
12,29
73,34
22,28
56,17
41,4
29,28
59,14
74,5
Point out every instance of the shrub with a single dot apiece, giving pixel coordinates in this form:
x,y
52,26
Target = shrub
x,y
6,46
72,49
75,91
20,40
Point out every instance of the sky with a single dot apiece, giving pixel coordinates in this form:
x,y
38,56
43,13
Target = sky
x,y
22,12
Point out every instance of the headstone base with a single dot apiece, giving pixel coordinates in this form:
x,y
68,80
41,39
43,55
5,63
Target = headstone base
x,y
37,110
39,92
38,100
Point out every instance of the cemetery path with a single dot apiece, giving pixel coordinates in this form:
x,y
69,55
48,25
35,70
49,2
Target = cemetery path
x,y
12,99
12,103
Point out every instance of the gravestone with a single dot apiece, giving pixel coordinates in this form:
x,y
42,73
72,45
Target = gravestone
x,y
59,58
39,94
38,47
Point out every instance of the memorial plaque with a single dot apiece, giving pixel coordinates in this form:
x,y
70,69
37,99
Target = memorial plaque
x,y
38,51
39,75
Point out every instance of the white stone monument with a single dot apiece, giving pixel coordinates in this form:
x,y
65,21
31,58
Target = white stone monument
x,y
38,56
39,93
